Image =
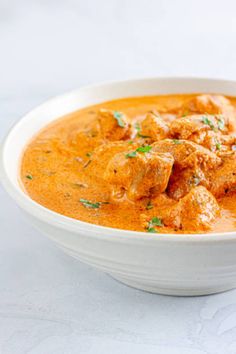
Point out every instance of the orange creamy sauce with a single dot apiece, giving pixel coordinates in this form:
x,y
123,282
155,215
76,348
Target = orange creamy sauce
x,y
54,172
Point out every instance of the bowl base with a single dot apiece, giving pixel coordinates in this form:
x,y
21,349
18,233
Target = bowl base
x,y
155,289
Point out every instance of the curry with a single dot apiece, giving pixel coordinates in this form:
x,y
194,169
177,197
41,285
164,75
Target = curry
x,y
154,164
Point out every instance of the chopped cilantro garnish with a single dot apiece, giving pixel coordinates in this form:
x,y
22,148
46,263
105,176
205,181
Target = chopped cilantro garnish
x,y
221,124
155,221
140,135
88,204
130,142
195,180
149,205
143,136
118,116
154,113
218,146
144,149
185,113
152,230
176,141
88,154
29,176
131,154
207,121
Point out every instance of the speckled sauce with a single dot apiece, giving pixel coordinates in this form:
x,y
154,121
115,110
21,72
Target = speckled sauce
x,y
56,169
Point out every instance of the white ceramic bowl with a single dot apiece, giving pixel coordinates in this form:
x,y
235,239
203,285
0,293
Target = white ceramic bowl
x,y
167,264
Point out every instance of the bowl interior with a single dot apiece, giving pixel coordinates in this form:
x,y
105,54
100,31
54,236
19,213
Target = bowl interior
x,y
31,123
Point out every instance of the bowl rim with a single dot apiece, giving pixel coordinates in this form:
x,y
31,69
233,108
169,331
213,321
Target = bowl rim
x,y
92,230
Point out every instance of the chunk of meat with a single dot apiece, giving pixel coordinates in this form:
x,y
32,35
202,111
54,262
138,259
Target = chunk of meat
x,y
228,140
223,179
140,176
105,152
192,164
153,127
206,130
106,125
183,180
113,125
218,142
186,127
187,153
218,181
195,212
213,104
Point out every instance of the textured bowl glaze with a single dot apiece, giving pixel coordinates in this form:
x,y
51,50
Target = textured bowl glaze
x,y
168,264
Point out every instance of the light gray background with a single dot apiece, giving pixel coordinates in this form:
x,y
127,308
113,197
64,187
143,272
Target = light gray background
x,y
49,303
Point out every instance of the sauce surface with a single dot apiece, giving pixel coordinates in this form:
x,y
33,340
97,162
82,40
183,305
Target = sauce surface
x,y
152,164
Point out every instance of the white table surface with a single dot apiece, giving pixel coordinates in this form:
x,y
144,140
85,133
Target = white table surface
x,y
50,303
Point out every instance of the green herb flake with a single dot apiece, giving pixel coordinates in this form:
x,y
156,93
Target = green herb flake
x,y
29,177
176,141
152,230
149,205
118,116
195,180
137,127
218,146
144,149
89,154
207,121
155,221
221,124
131,154
143,136
130,142
154,113
186,113
88,204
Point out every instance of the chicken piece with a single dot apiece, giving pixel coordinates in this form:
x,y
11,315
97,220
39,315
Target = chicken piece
x,y
105,152
223,179
219,180
139,176
196,211
217,142
213,104
153,127
183,180
196,126
187,153
106,125
228,140
191,167
113,125
206,130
